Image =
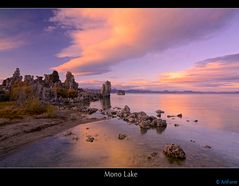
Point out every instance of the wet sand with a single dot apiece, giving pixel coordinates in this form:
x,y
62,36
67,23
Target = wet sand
x,y
139,149
18,133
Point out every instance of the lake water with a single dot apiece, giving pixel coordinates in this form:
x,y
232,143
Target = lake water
x,y
216,111
217,127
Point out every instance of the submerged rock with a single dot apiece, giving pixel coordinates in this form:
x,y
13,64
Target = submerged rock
x,y
174,151
90,139
207,147
180,115
122,136
159,111
153,154
170,116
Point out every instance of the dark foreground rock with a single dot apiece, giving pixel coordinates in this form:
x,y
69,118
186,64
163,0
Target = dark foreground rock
x,y
174,151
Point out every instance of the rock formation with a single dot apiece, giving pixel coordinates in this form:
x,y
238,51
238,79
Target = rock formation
x,y
70,81
9,82
50,89
106,89
138,118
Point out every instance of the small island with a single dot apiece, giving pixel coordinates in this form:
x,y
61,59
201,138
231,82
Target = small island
x,y
120,92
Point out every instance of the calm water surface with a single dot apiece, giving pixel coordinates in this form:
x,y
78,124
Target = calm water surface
x,y
217,111
217,127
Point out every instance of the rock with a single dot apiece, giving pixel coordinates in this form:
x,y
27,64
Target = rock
x,y
126,109
68,133
174,151
176,125
149,157
73,117
192,141
159,115
90,139
87,128
121,92
159,111
105,103
91,110
141,116
75,138
113,112
170,116
207,147
106,89
70,82
187,120
122,136
180,115
9,82
195,120
29,79
160,123
153,154
145,124
131,119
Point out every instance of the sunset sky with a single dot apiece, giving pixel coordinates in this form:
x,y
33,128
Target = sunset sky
x,y
155,49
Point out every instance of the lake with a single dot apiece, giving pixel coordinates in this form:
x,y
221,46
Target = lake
x,y
217,127
216,111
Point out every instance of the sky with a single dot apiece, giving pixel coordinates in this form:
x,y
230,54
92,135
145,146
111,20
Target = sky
x,y
153,49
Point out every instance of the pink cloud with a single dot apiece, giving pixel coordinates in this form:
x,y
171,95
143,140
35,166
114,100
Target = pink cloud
x,y
10,43
219,73
216,74
103,37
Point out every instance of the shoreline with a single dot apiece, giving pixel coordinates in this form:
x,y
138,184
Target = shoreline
x,y
22,132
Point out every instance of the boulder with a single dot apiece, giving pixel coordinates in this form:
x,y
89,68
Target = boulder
x,y
159,123
174,151
126,109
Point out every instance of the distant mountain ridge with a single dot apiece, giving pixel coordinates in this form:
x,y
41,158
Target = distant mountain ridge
x,y
173,92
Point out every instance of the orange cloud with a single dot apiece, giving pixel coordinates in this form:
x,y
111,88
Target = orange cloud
x,y
219,73
103,37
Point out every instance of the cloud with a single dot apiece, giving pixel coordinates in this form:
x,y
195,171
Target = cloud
x,y
219,73
103,37
50,28
216,74
7,43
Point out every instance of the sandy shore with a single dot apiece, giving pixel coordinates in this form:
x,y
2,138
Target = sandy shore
x,y
19,132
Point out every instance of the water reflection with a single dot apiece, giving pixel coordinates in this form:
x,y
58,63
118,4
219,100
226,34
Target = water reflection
x,y
143,130
159,130
105,103
211,110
